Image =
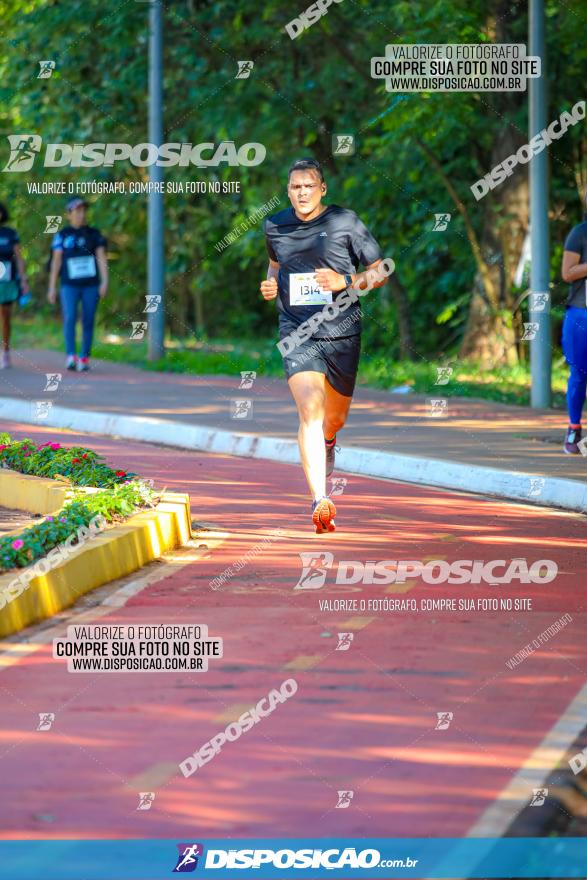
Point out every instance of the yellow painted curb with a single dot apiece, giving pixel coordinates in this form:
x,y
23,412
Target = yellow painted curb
x,y
31,494
101,559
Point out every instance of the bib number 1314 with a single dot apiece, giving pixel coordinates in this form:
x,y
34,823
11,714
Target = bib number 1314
x,y
305,291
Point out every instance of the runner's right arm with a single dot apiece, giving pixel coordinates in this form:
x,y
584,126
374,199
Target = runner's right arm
x,y
269,287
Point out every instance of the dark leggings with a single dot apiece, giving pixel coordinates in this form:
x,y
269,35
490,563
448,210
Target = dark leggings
x,y
576,388
575,351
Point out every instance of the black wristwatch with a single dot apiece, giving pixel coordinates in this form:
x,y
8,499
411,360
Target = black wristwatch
x,y
348,280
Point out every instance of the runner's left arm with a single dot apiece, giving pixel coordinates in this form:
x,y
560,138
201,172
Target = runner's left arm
x,y
328,279
364,251
103,267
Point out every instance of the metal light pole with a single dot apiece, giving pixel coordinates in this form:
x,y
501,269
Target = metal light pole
x,y
540,345
155,236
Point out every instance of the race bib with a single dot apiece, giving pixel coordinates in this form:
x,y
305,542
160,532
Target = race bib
x,y
81,267
5,270
304,290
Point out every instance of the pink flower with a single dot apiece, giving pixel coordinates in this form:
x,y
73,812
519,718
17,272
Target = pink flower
x,y
49,518
55,445
16,545
3,446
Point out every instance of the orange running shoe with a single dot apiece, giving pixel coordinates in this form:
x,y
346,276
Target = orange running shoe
x,y
323,513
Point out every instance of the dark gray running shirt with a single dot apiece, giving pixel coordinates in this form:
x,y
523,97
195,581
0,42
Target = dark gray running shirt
x,y
577,243
338,240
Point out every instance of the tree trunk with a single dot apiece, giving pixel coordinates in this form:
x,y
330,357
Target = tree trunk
x,y
490,333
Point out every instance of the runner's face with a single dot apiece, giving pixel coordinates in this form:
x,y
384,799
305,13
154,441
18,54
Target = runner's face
x,y
305,191
77,216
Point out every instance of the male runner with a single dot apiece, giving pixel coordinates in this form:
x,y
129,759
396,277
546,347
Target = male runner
x,y
314,252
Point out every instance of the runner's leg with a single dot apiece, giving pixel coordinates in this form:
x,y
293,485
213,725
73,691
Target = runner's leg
x,y
69,308
90,298
308,391
336,411
5,311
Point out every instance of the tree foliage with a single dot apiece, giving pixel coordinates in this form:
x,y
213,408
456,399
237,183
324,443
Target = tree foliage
x,y
415,153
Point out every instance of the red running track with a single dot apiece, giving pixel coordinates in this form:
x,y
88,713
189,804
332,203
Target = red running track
x,y
362,720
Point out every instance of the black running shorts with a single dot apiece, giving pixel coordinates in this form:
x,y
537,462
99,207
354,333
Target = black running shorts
x,y
337,358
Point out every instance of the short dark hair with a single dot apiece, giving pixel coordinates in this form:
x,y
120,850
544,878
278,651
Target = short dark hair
x,y
3,213
307,165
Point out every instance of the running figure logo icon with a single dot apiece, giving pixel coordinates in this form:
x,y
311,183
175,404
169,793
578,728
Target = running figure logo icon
x,y
41,409
344,641
343,144
146,799
242,409
530,331
344,799
315,567
47,68
152,301
536,486
53,222
441,222
338,484
53,380
188,857
247,378
539,301
444,719
23,151
139,328
443,374
244,69
538,797
46,719
438,407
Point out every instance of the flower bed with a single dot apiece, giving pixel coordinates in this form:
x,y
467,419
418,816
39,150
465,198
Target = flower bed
x,y
76,464
121,494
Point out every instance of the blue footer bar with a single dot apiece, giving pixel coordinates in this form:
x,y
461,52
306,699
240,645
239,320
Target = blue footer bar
x,y
413,858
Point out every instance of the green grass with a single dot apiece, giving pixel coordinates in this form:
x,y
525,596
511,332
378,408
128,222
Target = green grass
x,y
222,357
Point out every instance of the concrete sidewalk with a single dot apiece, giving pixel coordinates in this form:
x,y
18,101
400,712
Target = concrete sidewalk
x,y
474,445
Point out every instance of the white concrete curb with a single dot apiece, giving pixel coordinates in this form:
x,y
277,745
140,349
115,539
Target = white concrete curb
x,y
515,485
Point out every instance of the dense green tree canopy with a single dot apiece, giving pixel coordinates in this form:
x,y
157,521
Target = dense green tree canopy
x,y
416,154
